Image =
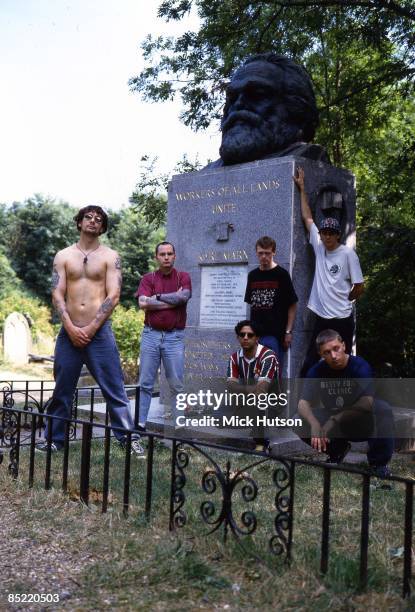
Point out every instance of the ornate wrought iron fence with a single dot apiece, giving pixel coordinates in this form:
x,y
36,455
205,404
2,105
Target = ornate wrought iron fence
x,y
233,487
34,395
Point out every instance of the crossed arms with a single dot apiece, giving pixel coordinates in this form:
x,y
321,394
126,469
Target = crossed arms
x,y
165,300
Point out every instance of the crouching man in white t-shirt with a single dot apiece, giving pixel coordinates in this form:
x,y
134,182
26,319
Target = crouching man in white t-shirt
x,y
338,279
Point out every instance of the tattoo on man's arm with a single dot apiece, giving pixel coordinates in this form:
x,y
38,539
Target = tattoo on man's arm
x,y
118,263
104,309
55,278
154,304
176,298
60,309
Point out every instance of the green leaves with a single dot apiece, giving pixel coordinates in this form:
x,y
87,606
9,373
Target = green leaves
x,y
149,198
134,240
352,49
38,228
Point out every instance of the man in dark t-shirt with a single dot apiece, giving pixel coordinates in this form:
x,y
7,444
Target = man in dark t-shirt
x,y
273,301
343,385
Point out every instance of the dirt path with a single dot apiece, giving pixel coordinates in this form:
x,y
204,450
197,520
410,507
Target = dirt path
x,y
38,554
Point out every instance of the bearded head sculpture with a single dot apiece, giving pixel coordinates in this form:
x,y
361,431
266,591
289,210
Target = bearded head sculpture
x,y
270,111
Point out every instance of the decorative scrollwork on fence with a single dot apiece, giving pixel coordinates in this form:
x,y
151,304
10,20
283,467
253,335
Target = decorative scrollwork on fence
x,y
6,385
9,420
9,423
74,416
14,458
228,481
11,427
280,543
180,463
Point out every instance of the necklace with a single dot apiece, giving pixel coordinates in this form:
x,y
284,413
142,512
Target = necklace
x,y
86,255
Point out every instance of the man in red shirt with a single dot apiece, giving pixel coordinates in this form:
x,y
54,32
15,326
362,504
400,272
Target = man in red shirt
x,y
163,295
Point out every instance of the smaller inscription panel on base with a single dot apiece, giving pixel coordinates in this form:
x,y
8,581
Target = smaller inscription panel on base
x,y
222,295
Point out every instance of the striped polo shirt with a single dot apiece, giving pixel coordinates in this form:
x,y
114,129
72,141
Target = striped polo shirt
x,y
263,366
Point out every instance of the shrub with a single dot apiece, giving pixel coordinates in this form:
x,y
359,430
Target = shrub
x,y
128,324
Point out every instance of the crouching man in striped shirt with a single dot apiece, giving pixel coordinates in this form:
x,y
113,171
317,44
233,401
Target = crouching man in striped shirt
x,y
252,370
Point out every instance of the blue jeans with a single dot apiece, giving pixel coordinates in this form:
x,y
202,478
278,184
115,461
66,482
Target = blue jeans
x,y
103,361
381,440
380,449
275,345
156,347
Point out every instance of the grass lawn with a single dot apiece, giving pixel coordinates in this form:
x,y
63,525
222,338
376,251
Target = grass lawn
x,y
54,544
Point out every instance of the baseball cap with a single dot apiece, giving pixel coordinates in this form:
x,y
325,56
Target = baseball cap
x,y
330,224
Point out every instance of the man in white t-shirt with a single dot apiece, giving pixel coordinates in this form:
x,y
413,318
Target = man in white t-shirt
x,y
338,279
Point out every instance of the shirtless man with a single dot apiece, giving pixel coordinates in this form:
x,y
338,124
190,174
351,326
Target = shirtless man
x,y
86,284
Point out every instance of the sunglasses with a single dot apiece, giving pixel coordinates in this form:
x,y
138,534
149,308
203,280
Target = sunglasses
x,y
247,334
95,218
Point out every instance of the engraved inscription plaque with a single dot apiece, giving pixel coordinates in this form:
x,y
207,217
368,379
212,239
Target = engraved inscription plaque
x,y
222,295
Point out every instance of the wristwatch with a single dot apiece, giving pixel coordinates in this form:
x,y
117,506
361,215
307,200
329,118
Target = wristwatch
x,y
158,295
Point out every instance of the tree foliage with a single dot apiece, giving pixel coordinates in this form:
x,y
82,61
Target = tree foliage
x,y
8,278
386,331
133,238
148,197
322,35
38,228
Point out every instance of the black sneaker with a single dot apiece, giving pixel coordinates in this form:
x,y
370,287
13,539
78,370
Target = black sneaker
x,y
337,459
380,471
136,448
42,447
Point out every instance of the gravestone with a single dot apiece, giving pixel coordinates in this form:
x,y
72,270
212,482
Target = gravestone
x,y
215,217
17,340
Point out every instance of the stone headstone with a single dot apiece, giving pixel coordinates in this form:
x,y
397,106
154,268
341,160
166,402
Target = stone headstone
x,y
17,340
215,217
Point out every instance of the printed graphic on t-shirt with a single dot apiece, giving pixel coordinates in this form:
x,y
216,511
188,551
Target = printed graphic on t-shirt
x,y
339,392
263,294
339,402
334,268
